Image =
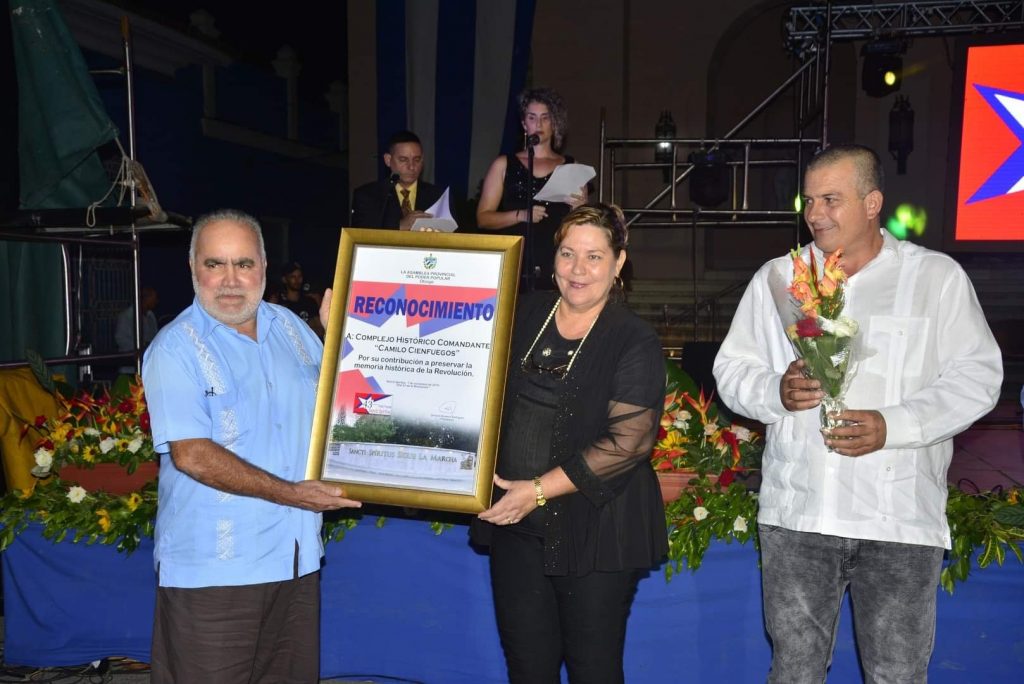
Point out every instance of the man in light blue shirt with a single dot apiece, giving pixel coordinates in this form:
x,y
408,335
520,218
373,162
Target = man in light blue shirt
x,y
231,386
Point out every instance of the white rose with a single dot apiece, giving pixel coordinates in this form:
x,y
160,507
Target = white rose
x,y
135,445
841,327
106,444
710,429
76,494
699,513
44,458
739,524
92,432
742,433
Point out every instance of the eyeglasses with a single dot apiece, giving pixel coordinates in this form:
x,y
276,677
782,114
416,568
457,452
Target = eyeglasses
x,y
530,366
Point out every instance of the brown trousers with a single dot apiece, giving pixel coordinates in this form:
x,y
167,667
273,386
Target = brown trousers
x,y
253,634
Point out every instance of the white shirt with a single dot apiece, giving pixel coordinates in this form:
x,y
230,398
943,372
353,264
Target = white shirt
x,y
931,369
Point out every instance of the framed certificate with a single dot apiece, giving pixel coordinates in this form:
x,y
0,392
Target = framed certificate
x,y
413,376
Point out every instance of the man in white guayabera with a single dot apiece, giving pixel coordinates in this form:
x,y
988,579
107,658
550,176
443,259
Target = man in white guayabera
x,y
863,508
231,386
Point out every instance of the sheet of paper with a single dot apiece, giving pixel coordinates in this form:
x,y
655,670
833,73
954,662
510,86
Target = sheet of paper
x,y
564,182
441,216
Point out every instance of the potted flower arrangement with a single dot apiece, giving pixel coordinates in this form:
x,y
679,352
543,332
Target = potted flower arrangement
x,y
703,462
97,470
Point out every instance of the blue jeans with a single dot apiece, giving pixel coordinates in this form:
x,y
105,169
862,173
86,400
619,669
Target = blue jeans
x,y
893,589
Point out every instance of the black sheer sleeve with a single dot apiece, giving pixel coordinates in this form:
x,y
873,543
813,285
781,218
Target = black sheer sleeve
x,y
631,422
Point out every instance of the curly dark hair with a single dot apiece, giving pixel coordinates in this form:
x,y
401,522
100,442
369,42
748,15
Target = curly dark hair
x,y
556,108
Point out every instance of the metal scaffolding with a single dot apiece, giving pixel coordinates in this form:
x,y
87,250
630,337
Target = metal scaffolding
x,y
809,32
895,19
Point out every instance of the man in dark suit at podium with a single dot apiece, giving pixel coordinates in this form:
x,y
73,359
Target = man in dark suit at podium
x,y
400,199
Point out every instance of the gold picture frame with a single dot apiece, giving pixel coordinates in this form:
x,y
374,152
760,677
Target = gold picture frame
x,y
409,400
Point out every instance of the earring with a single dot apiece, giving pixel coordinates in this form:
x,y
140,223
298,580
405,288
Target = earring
x,y
553,279
618,282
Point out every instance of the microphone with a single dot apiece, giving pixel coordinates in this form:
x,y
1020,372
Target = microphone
x,y
393,179
532,140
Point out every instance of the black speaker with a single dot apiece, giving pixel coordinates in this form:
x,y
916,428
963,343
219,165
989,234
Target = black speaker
x,y
709,180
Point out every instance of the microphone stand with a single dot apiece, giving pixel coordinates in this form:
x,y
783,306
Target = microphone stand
x,y
387,198
530,273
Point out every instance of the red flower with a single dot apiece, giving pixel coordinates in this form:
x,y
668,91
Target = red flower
x,y
662,433
144,421
40,421
808,327
727,476
126,406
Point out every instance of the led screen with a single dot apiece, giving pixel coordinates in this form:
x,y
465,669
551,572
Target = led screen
x,y
990,182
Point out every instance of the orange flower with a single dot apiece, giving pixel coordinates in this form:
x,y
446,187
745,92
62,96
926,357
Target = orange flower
x,y
833,269
827,286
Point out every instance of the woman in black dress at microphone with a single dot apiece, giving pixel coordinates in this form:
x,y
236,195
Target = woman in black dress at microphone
x,y
507,185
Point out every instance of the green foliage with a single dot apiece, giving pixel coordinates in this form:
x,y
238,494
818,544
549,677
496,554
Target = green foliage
x,y
678,381
97,517
827,358
991,523
375,429
704,512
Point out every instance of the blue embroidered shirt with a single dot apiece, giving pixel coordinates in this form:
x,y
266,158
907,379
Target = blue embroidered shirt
x,y
203,379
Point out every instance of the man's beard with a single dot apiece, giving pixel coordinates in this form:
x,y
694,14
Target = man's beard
x,y
243,315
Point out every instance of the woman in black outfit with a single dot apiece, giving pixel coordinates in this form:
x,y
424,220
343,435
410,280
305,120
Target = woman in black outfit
x,y
507,185
578,516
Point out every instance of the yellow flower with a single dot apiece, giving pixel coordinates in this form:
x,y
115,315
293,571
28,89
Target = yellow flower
x,y
88,454
104,519
673,439
1014,496
60,433
24,492
133,501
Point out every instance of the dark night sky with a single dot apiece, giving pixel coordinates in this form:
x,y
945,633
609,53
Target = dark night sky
x,y
255,31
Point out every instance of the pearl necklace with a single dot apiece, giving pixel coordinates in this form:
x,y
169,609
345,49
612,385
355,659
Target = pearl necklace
x,y
547,351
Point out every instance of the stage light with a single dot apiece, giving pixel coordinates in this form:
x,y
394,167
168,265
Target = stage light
x,y
798,204
882,69
907,219
665,130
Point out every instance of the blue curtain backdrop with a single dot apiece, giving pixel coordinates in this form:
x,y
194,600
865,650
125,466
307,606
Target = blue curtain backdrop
x,y
450,71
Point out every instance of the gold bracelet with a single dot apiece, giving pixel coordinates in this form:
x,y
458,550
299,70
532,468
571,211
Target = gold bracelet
x,y
541,501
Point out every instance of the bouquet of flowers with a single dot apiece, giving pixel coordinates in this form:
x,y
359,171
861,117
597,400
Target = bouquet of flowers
x,y
822,336
109,427
694,437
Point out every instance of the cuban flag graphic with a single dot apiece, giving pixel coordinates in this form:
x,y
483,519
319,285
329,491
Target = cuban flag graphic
x,y
990,194
372,404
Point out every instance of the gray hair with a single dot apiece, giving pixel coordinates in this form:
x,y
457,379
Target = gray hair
x,y
233,215
870,175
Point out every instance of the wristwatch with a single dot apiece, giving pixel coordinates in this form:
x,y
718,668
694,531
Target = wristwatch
x,y
541,501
